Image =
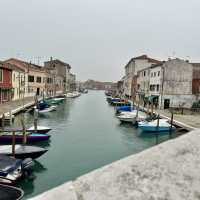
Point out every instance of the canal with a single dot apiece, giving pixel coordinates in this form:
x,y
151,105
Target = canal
x,y
85,135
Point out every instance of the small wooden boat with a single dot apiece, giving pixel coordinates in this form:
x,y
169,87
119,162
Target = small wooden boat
x,y
23,151
40,129
10,193
153,127
30,137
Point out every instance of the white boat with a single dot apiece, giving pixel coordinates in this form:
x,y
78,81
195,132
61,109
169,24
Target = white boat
x,y
47,110
131,116
59,99
40,129
152,126
73,94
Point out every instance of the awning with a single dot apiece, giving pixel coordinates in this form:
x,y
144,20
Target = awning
x,y
152,97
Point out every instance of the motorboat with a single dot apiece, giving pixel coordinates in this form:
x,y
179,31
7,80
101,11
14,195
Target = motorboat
x,y
85,91
40,129
120,103
120,109
30,137
45,107
8,192
152,126
132,117
12,169
73,94
47,110
23,151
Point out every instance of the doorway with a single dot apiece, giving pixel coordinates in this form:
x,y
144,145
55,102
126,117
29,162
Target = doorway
x,y
166,103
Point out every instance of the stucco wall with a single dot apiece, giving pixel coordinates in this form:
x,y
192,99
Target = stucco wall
x,y
177,78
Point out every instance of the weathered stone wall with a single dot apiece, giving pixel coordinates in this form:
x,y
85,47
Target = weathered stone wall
x,y
169,171
177,77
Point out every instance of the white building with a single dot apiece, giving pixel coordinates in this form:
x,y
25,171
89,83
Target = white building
x,y
131,70
170,84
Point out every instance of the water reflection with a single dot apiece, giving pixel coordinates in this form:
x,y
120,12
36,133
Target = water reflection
x,y
28,184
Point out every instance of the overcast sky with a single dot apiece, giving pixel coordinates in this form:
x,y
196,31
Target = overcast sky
x,y
98,37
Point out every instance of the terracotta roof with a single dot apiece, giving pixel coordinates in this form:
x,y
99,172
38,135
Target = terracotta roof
x,y
57,61
4,65
144,57
24,65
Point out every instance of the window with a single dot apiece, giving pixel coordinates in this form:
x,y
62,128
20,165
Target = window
x,y
38,79
154,73
144,73
151,74
1,75
157,88
31,79
158,73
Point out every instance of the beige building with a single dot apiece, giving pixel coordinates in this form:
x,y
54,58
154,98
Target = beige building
x,y
38,80
19,83
131,71
60,72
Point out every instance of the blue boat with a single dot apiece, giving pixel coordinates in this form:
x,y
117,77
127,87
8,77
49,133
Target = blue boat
x,y
151,126
124,108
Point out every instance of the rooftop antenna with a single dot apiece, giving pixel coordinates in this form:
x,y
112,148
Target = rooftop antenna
x,y
38,60
173,54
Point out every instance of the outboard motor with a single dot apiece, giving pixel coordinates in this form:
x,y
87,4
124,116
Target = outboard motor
x,y
27,166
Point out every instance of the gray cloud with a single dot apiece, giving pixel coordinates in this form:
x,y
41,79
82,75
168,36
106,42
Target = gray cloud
x,y
97,37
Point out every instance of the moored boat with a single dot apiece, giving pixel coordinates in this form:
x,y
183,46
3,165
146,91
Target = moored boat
x,y
120,103
10,169
47,110
30,137
40,129
152,126
132,117
73,94
10,193
23,151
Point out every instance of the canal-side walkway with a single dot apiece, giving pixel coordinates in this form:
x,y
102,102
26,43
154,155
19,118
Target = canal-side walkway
x,y
16,105
191,121
166,171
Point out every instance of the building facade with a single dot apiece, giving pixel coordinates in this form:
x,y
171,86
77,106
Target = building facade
x,y
37,79
60,72
135,65
174,83
5,82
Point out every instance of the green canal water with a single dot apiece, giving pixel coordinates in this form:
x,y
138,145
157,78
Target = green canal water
x,y
85,135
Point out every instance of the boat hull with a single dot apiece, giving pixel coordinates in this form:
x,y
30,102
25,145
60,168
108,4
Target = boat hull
x,y
40,129
126,119
29,138
10,192
156,129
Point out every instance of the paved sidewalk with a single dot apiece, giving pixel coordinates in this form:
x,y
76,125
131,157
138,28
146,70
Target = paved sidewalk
x,y
13,105
191,120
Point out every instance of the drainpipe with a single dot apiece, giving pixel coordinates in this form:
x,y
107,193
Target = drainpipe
x,y
162,86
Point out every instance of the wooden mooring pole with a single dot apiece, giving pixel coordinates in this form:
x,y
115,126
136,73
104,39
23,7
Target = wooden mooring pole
x,y
13,144
157,127
171,124
3,121
24,131
35,120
